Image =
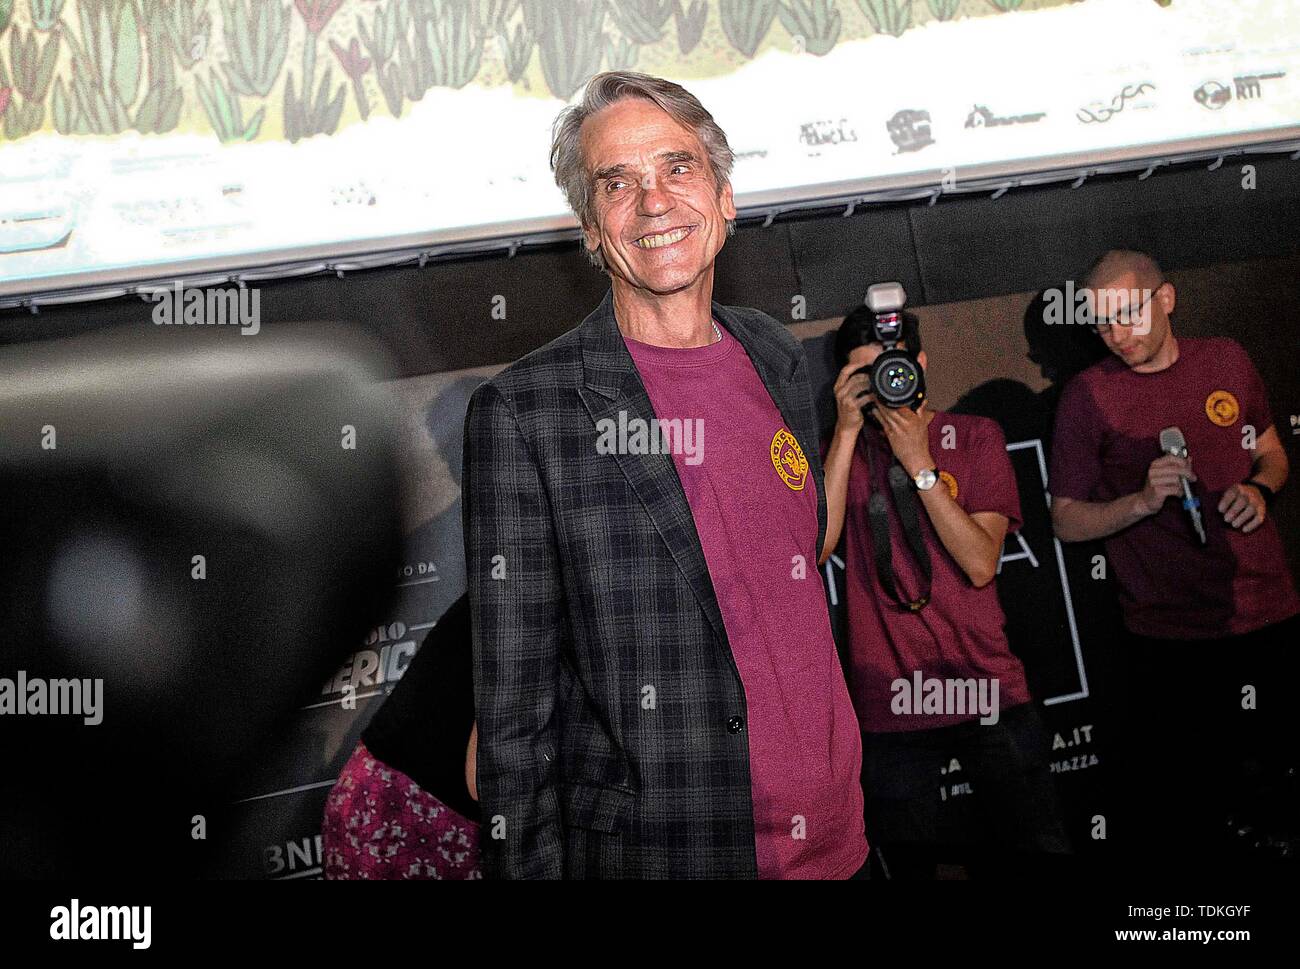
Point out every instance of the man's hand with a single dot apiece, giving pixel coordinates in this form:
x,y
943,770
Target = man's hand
x,y
851,393
1242,507
1164,480
908,432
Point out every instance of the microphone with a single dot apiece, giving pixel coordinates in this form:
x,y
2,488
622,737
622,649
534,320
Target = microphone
x,y
1173,443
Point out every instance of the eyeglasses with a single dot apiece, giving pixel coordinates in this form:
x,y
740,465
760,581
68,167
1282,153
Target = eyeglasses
x,y
1125,316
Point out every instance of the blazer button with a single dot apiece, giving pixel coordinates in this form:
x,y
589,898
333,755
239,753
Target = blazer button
x,y
734,724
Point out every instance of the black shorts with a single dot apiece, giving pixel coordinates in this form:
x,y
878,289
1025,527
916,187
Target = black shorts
x,y
965,784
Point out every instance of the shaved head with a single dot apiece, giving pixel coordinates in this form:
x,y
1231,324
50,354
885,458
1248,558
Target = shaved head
x,y
1118,262
1129,302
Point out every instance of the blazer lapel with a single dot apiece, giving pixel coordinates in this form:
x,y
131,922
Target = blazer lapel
x,y
778,370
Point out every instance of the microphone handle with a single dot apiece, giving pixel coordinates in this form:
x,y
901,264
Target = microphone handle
x,y
1194,509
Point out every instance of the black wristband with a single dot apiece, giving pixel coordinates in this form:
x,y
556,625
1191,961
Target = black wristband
x,y
1268,493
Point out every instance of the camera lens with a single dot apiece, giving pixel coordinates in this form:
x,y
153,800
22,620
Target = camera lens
x,y
896,381
897,378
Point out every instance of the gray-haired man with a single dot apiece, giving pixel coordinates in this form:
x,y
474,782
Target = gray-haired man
x,y
657,690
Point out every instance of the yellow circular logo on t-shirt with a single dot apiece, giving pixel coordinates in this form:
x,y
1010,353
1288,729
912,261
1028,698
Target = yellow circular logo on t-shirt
x,y
1221,407
788,459
951,482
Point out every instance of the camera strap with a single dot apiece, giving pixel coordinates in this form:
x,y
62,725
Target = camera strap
x,y
905,503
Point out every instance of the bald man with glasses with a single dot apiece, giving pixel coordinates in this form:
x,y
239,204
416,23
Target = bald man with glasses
x,y
1211,609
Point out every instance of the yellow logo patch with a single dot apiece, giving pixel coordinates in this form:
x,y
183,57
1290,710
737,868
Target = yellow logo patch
x,y
950,481
1222,408
789,461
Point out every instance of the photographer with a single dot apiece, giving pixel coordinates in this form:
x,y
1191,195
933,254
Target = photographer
x,y
924,620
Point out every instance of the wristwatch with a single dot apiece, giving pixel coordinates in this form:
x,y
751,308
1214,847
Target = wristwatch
x,y
926,479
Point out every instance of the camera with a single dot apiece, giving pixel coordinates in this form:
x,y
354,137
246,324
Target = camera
x,y
896,376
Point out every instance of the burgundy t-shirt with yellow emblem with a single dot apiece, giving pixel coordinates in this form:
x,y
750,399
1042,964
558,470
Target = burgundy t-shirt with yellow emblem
x,y
754,502
960,634
1107,434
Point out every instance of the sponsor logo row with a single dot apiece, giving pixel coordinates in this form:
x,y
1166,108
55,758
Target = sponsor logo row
x,y
912,129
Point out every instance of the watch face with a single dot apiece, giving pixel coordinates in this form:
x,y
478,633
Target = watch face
x,y
926,479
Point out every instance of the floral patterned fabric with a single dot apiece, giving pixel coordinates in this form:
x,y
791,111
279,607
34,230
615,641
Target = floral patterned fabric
x,y
380,824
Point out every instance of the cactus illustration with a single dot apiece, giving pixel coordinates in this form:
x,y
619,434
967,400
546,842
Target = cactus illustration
x,y
390,84
453,43
380,45
224,111
108,66
188,28
32,64
105,66
63,111
160,110
641,21
516,50
317,13
45,13
746,22
411,68
570,42
621,56
315,111
493,14
816,21
419,50
101,95
354,65
256,36
690,24
888,16
312,114
6,93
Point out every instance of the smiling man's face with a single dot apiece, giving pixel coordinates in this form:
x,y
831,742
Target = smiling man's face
x,y
660,220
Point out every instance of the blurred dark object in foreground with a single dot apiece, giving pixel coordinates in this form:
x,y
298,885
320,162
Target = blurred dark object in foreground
x,y
123,457
1264,826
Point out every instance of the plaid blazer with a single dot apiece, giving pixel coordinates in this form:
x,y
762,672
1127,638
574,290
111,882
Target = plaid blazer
x,y
611,716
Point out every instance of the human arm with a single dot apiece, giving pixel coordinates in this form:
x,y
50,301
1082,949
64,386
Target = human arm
x,y
1243,506
851,390
1076,520
974,540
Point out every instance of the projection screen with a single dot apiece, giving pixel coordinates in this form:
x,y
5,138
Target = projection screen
x,y
145,141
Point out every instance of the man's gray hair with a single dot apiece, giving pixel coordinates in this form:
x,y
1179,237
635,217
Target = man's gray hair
x,y
606,89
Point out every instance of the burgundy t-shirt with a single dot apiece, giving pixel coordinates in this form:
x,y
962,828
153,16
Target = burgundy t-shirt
x,y
755,508
1108,433
961,634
